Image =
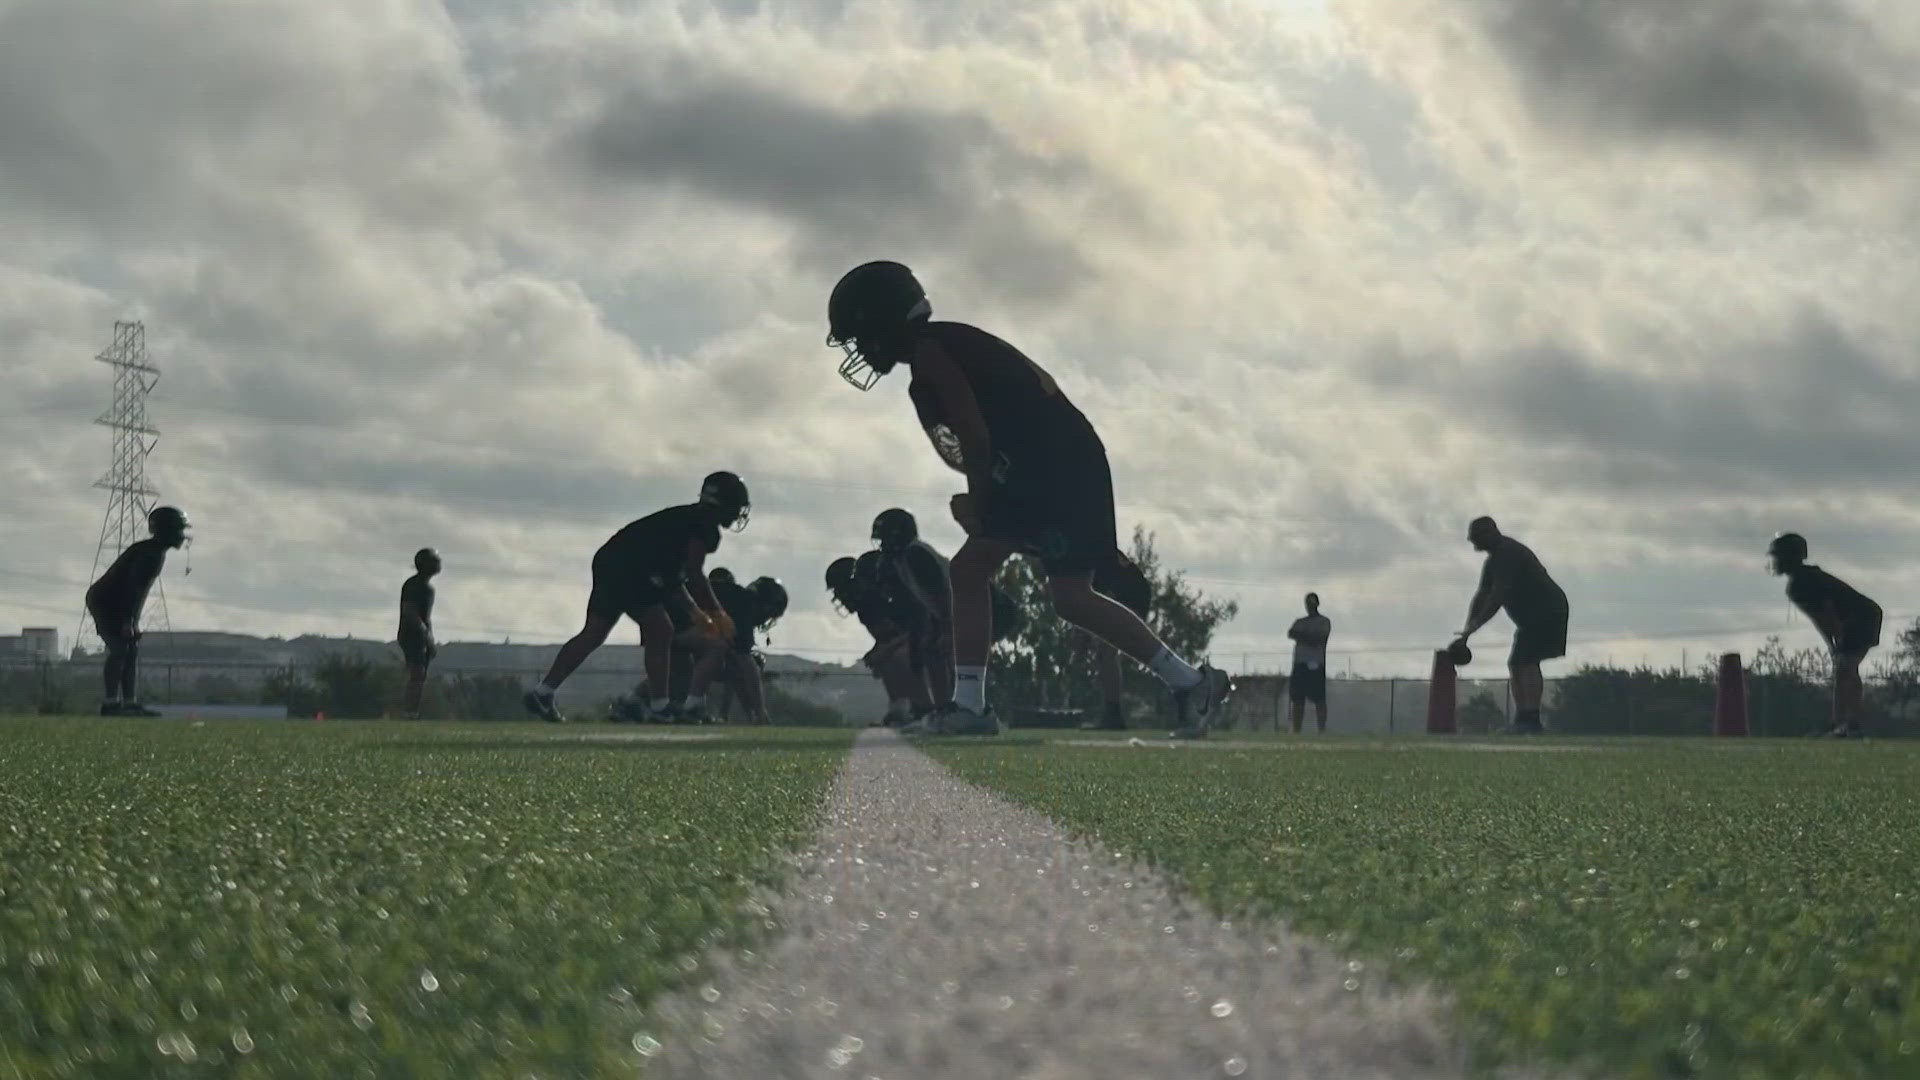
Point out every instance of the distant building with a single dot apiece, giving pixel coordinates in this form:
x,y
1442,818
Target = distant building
x,y
34,643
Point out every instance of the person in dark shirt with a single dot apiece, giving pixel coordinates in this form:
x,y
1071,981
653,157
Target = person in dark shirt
x,y
910,569
1847,620
116,600
736,667
853,585
1038,484
415,636
653,561
1308,681
1119,579
1514,578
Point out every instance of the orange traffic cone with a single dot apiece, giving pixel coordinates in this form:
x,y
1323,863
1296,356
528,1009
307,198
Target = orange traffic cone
x,y
1440,694
1730,698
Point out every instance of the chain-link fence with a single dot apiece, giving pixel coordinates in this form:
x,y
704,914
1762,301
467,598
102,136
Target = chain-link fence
x,y
1588,702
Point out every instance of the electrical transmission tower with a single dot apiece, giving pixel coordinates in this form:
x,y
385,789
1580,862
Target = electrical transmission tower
x,y
129,498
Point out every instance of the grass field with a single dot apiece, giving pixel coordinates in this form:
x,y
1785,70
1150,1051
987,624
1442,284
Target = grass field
x,y
1654,909
323,899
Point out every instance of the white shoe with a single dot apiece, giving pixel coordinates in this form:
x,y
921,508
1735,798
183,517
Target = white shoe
x,y
954,720
1200,706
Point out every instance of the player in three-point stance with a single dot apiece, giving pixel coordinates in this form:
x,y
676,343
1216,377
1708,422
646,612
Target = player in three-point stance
x,y
910,569
1846,619
1514,578
854,586
116,600
416,628
752,609
1038,484
637,572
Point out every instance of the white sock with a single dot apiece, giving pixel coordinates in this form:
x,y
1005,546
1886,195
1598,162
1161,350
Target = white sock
x,y
970,687
696,701
1174,671
544,690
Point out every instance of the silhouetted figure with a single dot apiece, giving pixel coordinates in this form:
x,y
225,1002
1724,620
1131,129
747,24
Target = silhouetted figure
x,y
116,600
416,627
1038,485
1846,619
1309,679
657,560
1513,578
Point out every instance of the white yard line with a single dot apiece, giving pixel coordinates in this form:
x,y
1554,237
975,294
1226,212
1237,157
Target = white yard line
x,y
938,931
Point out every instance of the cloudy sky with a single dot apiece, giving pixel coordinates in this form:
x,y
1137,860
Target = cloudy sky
x,y
1330,276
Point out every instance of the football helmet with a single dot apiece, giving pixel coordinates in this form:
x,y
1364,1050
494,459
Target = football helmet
x,y
868,316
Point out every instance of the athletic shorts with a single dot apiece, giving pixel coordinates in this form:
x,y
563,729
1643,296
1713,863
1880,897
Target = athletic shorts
x,y
1857,638
1537,639
1307,684
117,630
1126,585
418,651
620,588
1056,505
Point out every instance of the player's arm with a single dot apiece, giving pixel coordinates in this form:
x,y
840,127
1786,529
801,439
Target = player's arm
x,y
1828,622
961,412
1315,636
1487,601
1293,632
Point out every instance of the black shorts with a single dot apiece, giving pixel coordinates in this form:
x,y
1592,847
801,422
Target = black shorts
x,y
1540,638
1307,684
621,588
1126,585
117,630
417,649
1857,638
1056,505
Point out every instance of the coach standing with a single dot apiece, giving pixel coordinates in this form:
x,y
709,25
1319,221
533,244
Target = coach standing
x,y
1513,578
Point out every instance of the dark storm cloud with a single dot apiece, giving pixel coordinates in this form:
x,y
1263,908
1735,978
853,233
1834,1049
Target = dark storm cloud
x,y
1816,406
1767,76
891,178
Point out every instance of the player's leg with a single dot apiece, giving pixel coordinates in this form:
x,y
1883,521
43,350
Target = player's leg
x,y
416,685
1113,681
972,572
744,675
1297,706
1320,709
605,606
130,678
1848,694
1528,684
708,661
1199,690
113,634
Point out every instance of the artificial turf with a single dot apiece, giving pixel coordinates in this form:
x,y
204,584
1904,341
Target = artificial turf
x,y
371,899
1636,909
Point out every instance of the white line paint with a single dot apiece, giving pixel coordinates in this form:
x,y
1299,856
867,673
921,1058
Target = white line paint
x,y
938,931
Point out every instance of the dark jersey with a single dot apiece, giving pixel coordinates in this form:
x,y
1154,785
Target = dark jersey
x,y
656,545
417,592
1812,590
122,590
743,608
1026,415
1515,575
917,576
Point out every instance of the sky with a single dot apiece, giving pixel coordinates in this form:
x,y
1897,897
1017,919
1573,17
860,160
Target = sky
x,y
1330,278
